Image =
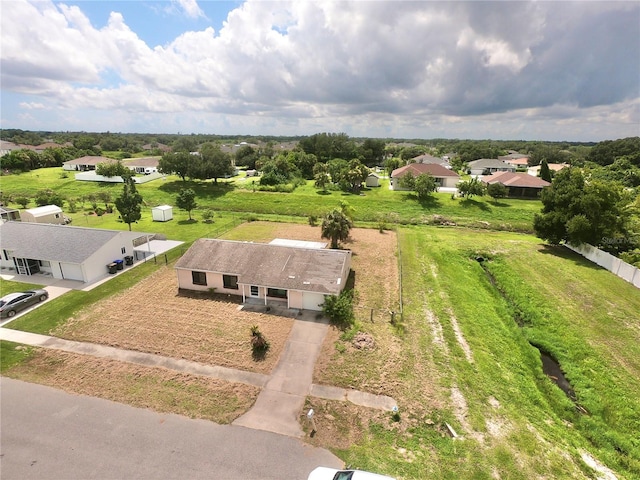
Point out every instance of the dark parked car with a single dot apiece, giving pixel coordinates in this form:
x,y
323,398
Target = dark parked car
x,y
14,302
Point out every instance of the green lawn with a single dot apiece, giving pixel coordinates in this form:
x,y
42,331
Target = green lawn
x,y
236,196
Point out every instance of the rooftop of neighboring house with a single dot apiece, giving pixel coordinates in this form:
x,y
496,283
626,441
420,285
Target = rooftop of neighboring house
x,y
429,159
555,167
489,163
511,179
89,160
61,243
141,162
416,169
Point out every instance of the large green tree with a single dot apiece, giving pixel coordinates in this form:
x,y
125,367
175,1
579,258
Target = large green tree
x,y
129,204
579,211
214,163
178,163
112,169
336,227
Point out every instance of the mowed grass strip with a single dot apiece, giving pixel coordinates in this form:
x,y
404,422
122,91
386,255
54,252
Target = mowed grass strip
x,y
155,388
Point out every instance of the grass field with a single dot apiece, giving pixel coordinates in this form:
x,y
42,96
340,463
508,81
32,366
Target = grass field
x,y
485,379
233,197
464,352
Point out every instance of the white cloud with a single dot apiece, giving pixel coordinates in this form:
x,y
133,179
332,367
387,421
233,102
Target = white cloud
x,y
190,8
368,66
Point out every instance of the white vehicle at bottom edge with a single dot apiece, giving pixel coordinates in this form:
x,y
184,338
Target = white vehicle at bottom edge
x,y
325,473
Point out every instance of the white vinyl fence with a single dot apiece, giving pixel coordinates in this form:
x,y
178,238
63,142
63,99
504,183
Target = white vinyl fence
x,y
607,261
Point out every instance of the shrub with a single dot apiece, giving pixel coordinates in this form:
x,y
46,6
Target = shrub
x,y
313,220
339,308
207,216
259,344
22,201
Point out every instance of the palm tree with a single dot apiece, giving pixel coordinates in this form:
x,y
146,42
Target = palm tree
x,y
336,226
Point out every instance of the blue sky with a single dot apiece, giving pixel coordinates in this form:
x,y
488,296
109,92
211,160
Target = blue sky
x,y
501,70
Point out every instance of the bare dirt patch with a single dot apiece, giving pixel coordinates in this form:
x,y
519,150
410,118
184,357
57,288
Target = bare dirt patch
x,y
152,317
154,388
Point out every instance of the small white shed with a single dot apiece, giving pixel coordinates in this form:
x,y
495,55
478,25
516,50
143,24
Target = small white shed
x,y
372,180
44,214
162,213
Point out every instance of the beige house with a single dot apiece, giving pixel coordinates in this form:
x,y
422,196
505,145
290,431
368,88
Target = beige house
x,y
286,273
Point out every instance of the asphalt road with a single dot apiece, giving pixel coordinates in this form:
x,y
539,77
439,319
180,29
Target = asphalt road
x,y
49,434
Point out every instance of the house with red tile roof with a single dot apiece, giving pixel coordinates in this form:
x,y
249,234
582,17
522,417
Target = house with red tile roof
x,y
519,184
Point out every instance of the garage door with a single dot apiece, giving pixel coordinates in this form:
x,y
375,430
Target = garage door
x,y
71,271
311,301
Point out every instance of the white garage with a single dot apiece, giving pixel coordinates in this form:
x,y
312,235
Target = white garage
x,y
312,301
71,271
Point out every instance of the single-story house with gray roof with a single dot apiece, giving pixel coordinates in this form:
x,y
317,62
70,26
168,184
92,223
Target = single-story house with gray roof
x,y
299,277
487,166
64,252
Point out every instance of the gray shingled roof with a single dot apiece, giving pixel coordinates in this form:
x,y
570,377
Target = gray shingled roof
x,y
489,163
275,266
59,243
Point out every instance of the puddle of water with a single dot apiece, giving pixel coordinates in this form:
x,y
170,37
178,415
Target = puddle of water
x,y
552,369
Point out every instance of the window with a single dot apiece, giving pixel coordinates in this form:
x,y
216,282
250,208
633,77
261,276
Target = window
x,y
276,292
123,250
44,263
199,278
230,281
6,255
254,291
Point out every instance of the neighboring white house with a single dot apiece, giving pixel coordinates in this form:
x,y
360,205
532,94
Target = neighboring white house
x,y
145,165
442,175
162,213
298,277
65,252
85,164
487,166
45,214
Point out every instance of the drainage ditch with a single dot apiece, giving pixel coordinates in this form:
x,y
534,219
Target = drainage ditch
x,y
550,366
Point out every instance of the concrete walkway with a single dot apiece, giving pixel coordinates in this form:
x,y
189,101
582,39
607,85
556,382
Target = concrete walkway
x,y
279,404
